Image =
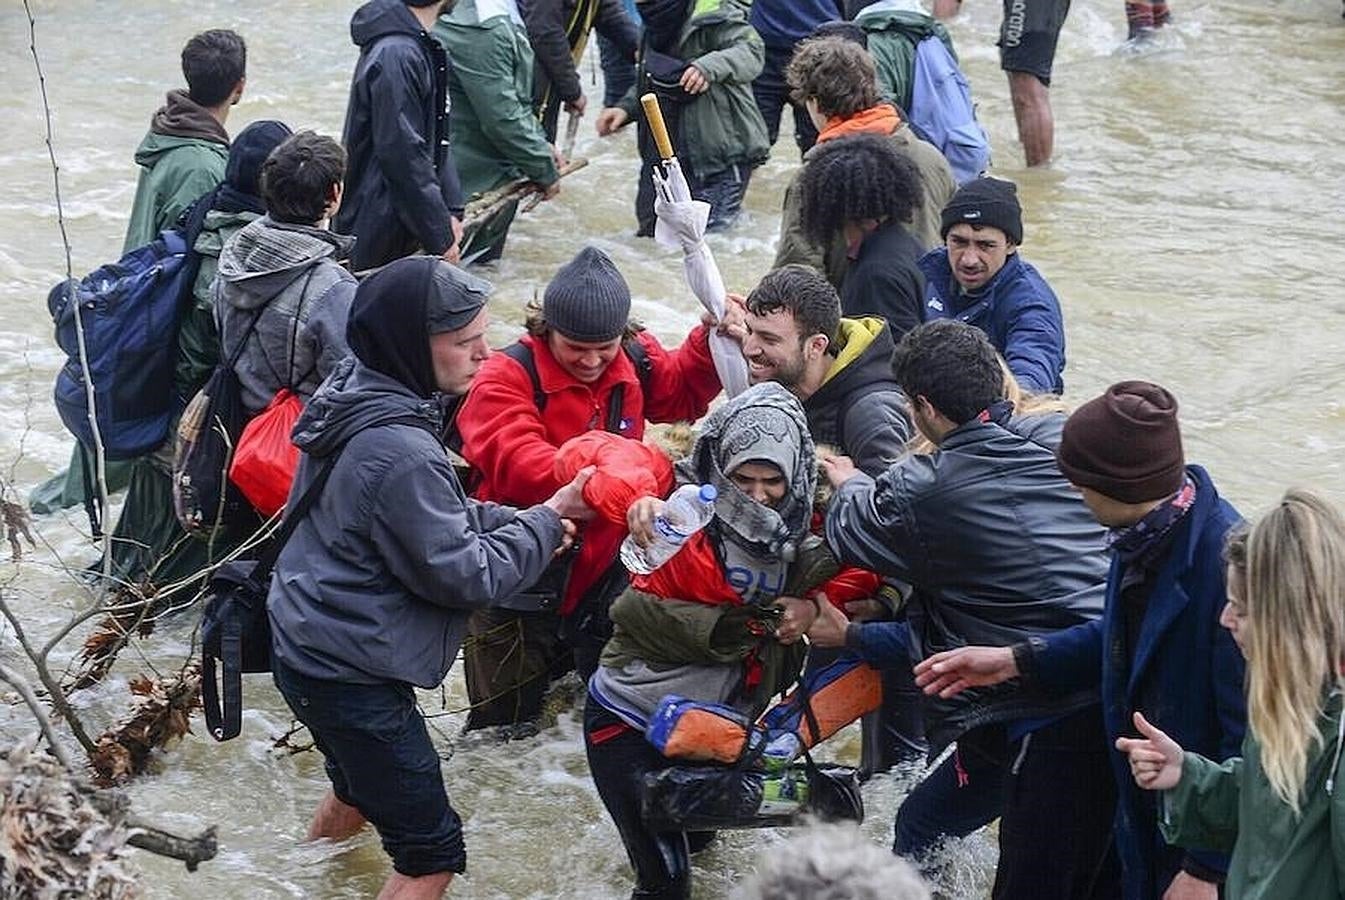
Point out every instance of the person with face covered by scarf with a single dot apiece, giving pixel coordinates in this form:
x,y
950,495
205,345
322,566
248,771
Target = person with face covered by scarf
x,y
148,543
701,626
370,597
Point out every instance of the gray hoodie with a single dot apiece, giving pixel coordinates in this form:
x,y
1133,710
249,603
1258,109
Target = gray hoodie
x,y
377,581
290,274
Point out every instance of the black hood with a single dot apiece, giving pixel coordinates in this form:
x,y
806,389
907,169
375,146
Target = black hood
x,y
389,319
241,190
379,18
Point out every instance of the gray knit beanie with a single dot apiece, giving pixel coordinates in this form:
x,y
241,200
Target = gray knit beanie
x,y
588,300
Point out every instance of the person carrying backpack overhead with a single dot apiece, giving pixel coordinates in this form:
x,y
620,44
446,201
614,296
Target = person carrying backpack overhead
x,y
582,366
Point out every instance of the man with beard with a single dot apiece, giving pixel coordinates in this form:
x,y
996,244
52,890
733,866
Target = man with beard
x,y
980,278
840,370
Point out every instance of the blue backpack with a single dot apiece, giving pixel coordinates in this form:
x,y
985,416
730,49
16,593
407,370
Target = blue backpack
x,y
942,112
129,311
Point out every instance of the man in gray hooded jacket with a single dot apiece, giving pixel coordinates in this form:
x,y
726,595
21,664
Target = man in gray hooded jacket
x,y
281,288
371,594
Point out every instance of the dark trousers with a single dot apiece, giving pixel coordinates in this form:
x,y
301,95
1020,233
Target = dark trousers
x,y
772,95
723,190
1053,794
618,758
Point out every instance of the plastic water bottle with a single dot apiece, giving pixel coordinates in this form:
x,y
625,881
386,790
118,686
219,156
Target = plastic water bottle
x,y
688,510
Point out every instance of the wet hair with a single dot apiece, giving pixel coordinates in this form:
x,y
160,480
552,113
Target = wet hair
x,y
805,294
213,63
952,365
855,178
833,862
1289,571
837,73
297,177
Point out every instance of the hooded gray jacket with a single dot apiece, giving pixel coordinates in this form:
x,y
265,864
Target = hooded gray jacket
x,y
377,581
998,547
289,274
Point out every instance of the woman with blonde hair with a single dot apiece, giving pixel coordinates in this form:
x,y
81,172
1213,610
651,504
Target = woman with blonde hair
x,y
1275,807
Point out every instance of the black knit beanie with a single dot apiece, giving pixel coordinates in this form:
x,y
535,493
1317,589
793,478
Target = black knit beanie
x,y
986,201
588,300
1126,444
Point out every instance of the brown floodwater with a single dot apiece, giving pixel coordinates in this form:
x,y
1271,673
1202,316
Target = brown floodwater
x,y
1192,224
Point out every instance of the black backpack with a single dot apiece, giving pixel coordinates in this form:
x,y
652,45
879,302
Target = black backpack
x,y
204,498
235,628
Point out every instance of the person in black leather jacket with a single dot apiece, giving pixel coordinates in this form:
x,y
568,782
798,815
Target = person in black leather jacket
x,y
997,546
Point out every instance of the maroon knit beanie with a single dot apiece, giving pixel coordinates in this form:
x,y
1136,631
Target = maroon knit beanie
x,y
1125,444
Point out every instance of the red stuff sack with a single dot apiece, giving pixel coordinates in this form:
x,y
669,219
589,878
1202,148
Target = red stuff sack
x,y
265,460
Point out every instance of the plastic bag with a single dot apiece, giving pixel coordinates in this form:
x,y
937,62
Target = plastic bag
x,y
709,798
266,459
626,471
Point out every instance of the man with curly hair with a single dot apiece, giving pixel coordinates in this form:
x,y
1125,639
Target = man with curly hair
x,y
861,189
836,80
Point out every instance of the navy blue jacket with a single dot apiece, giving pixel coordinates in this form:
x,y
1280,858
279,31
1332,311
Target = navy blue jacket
x,y
783,23
401,184
1017,309
1185,663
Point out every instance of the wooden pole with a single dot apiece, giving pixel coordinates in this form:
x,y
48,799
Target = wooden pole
x,y
657,127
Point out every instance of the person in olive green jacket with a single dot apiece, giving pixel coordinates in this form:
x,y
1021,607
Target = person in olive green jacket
x,y
1280,807
496,138
184,153
700,57
148,544
181,158
836,80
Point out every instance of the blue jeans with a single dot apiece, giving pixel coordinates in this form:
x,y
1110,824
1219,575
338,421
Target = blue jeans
x,y
380,760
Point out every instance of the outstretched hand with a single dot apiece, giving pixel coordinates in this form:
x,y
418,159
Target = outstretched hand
x,y
839,469
953,671
1155,758
828,629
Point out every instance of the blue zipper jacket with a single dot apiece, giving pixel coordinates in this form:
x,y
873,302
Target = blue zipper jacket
x,y
1185,674
783,23
1016,308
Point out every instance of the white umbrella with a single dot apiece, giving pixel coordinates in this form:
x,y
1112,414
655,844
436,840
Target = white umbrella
x,y
681,223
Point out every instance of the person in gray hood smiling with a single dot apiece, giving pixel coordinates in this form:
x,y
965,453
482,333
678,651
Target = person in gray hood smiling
x,y
371,594
280,285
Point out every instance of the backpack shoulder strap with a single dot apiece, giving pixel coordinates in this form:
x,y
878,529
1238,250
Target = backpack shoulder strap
x,y
639,357
522,354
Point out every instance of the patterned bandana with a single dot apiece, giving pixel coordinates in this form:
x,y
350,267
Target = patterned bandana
x,y
1141,541
765,423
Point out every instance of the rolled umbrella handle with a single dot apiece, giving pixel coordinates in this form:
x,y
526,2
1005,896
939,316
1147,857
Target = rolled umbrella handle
x,y
657,127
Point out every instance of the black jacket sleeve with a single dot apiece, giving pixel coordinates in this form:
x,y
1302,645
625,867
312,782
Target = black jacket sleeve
x,y
545,22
